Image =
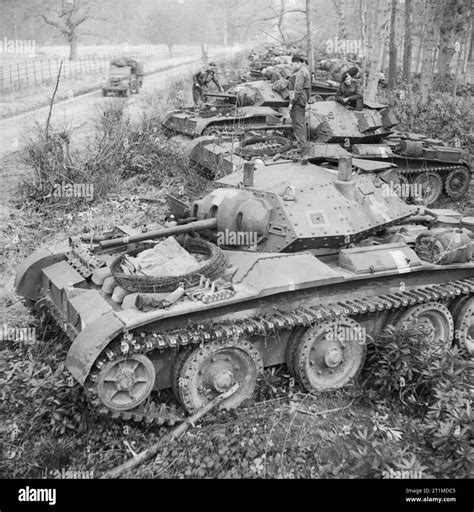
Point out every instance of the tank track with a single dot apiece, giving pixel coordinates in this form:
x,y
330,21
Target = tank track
x,y
422,169
263,325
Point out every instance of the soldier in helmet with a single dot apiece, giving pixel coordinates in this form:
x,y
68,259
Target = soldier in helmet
x,y
201,81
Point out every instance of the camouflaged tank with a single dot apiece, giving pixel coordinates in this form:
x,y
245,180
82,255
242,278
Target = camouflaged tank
x,y
423,166
300,265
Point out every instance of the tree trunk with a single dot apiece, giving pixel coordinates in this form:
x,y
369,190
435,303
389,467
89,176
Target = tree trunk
x,y
446,51
225,33
73,48
471,47
309,37
379,36
170,49
408,45
363,24
392,66
204,55
426,83
467,47
341,20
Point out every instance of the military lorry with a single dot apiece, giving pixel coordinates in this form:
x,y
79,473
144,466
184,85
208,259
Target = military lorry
x,y
414,161
125,77
300,265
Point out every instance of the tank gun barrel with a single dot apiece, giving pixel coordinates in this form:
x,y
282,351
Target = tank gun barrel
x,y
221,95
191,227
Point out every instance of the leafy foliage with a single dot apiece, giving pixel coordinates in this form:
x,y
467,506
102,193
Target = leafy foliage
x,y
442,116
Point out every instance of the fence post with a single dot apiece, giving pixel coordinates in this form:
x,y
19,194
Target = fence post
x,y
34,72
49,66
18,74
42,72
11,78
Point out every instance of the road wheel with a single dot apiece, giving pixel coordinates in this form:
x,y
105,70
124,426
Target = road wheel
x,y
126,382
431,186
457,183
212,369
433,319
330,355
463,313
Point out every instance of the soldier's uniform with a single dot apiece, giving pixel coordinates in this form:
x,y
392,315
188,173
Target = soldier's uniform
x,y
201,81
300,84
351,93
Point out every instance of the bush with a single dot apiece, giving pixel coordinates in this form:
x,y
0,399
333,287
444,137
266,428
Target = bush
x,y
442,116
432,387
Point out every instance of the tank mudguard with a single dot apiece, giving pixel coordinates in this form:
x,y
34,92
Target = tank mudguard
x,y
90,342
28,276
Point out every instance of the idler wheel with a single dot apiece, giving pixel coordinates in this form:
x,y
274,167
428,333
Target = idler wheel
x,y
126,382
457,183
431,187
330,355
434,319
212,369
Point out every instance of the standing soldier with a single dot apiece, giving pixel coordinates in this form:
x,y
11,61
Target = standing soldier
x,y
201,82
300,87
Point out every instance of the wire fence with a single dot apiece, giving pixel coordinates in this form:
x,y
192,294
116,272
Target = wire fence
x,y
34,72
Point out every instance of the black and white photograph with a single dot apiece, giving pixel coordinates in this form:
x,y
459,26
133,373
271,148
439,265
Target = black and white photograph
x,y
236,243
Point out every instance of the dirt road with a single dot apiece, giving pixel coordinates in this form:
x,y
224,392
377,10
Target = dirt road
x,y
78,113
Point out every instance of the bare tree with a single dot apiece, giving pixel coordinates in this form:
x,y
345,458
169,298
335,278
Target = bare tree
x,y
167,23
309,36
429,44
408,43
453,17
375,43
392,67
341,19
67,18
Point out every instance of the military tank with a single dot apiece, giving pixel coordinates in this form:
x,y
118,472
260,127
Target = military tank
x,y
301,266
252,105
413,161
